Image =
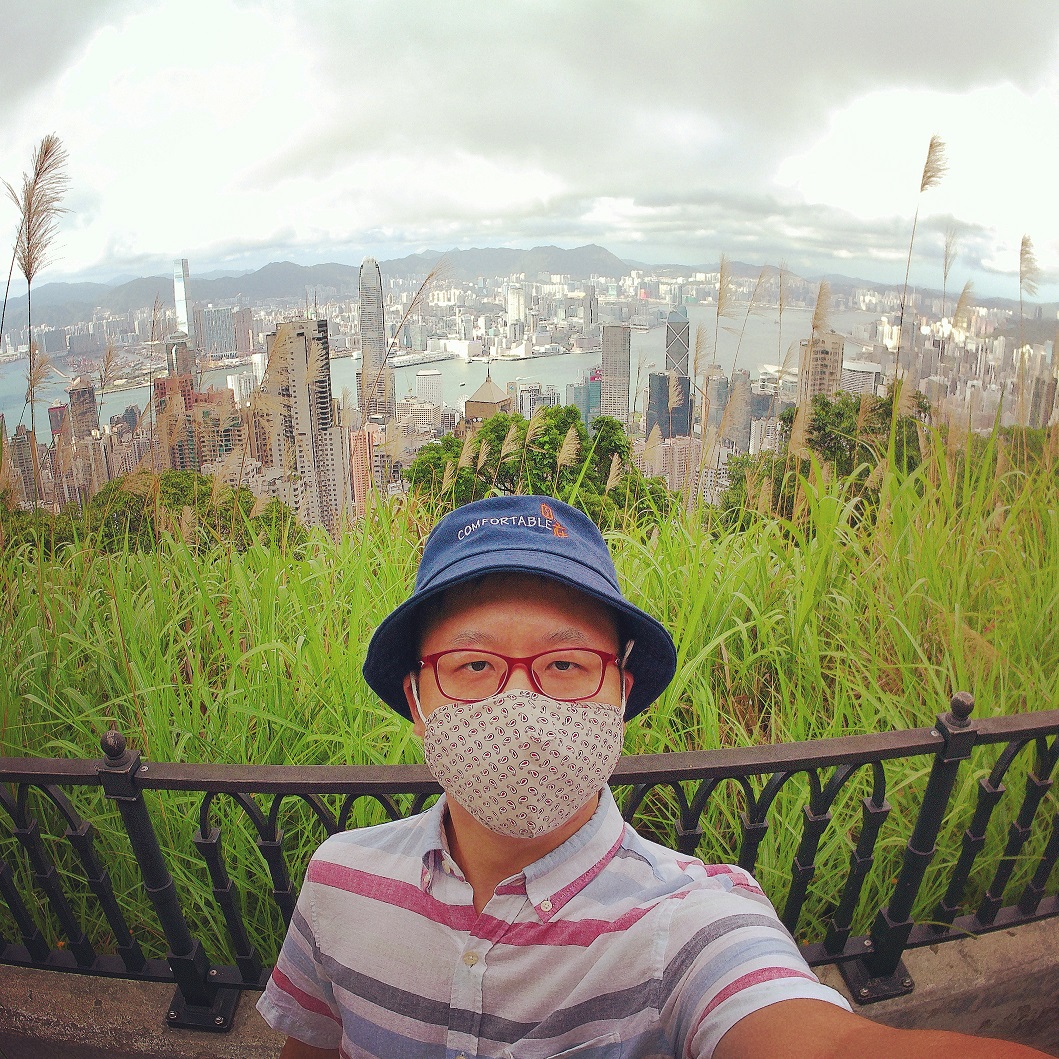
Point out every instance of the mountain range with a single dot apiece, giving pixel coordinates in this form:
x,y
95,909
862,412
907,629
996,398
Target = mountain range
x,y
63,304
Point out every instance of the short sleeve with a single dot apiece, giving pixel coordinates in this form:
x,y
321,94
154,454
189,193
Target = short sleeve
x,y
729,955
298,999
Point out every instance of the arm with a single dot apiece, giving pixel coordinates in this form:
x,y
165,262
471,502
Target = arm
x,y
294,1049
812,1029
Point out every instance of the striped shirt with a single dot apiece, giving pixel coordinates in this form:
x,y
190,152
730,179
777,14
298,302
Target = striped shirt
x,y
609,946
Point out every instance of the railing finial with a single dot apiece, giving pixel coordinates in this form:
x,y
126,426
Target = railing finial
x,y
960,708
113,744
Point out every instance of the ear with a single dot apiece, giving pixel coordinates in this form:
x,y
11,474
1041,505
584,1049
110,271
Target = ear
x,y
417,722
628,678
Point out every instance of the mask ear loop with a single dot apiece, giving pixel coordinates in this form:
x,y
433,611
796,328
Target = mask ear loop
x,y
621,672
415,697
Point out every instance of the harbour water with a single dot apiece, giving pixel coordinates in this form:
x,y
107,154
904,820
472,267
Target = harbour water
x,y
762,342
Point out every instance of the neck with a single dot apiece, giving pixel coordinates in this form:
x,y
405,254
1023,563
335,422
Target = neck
x,y
486,858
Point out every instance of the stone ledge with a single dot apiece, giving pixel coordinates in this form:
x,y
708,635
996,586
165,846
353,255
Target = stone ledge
x,y
1005,984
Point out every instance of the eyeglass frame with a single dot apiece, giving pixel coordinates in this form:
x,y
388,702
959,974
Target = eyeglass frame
x,y
526,661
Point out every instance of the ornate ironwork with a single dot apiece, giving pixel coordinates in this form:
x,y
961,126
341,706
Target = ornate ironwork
x,y
75,913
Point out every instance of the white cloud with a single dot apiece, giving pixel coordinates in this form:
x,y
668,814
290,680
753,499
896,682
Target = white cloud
x,y
250,130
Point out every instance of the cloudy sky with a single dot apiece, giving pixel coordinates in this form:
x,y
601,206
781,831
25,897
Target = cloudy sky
x,y
236,132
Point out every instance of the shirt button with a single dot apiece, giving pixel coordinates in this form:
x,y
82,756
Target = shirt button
x,y
546,905
470,958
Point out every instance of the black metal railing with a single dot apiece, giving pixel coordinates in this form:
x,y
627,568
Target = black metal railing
x,y
59,888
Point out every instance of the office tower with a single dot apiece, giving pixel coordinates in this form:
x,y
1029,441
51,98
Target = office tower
x,y
820,370
243,324
179,357
585,395
23,449
516,303
84,413
361,463
590,307
617,352
308,448
678,340
669,404
737,415
182,298
428,386
218,334
860,376
198,326
375,386
716,394
59,421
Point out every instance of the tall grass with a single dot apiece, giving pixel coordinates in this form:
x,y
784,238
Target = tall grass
x,y
827,624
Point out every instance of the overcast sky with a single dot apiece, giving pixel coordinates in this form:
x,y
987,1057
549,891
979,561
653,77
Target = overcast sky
x,y
237,132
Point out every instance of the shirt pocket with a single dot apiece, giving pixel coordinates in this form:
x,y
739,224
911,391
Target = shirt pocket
x,y
606,1047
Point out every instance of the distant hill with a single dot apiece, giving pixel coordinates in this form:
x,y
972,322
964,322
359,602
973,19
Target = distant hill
x,y
580,263
62,304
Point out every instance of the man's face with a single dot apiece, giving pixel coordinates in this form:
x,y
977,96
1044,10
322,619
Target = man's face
x,y
517,615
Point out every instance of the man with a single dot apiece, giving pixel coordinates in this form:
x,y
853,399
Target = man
x,y
520,916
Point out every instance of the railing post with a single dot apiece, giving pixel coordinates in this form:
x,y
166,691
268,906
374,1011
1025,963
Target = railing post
x,y
198,1003
881,974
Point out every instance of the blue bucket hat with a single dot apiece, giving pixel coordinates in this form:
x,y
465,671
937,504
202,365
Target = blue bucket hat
x,y
526,535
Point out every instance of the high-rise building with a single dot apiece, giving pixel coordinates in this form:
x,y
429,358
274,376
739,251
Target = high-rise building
x,y
585,395
737,415
218,330
516,303
860,376
307,447
429,386
23,448
669,404
179,357
84,412
375,387
820,370
361,462
243,324
678,340
590,308
617,354
182,297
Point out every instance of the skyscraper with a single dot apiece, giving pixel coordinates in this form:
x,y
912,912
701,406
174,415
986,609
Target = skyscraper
x,y
219,333
669,405
820,369
307,447
181,296
617,353
678,340
84,415
428,386
375,388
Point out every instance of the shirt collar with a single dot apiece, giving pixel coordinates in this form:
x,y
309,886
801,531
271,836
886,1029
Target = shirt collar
x,y
554,879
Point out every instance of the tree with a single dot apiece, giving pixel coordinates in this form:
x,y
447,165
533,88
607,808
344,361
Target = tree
x,y
551,453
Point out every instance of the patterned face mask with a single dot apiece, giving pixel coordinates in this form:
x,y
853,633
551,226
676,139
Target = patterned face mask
x,y
520,763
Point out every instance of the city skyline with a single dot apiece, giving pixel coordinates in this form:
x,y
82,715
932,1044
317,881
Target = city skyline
x,y
770,158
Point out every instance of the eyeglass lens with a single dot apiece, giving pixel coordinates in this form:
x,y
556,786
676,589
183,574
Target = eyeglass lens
x,y
566,674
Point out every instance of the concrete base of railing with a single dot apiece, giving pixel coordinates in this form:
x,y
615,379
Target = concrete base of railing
x,y
1003,985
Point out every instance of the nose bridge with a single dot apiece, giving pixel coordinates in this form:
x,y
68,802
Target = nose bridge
x,y
523,682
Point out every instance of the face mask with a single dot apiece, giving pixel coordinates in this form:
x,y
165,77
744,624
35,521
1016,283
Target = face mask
x,y
520,763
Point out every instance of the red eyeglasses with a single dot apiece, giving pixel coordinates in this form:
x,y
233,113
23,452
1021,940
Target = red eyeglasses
x,y
568,674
